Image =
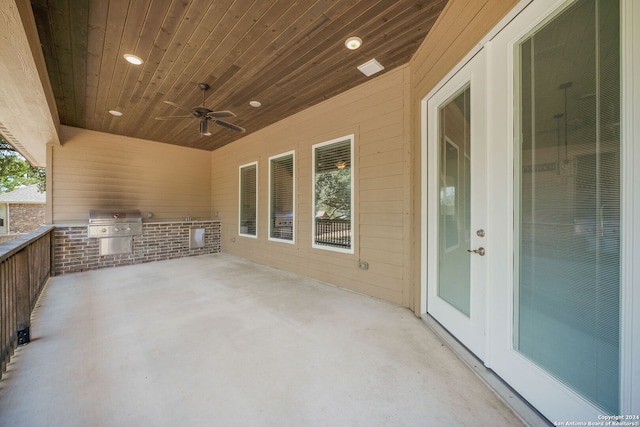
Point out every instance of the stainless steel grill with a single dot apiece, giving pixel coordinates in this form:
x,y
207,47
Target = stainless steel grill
x,y
115,229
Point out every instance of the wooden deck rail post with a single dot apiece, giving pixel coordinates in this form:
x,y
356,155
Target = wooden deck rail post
x,y
23,296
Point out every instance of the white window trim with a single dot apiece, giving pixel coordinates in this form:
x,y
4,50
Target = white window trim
x,y
293,212
240,199
351,139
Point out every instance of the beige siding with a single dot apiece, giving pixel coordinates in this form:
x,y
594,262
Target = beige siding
x,y
95,170
462,24
376,113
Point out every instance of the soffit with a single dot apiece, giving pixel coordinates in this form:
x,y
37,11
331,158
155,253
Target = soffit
x,y
27,121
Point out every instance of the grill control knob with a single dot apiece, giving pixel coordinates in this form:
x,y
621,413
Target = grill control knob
x,y
104,230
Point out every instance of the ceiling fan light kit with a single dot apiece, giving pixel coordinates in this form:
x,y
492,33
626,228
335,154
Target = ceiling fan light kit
x,y
204,115
204,128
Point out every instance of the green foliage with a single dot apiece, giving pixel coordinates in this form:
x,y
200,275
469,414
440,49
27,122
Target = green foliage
x,y
15,171
333,193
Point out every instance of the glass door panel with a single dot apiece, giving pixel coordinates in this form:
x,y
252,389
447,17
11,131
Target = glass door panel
x,y
567,284
454,270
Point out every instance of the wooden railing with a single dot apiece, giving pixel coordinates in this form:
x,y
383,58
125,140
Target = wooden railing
x,y
25,266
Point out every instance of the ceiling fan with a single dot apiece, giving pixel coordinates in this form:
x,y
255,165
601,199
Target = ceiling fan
x,y
204,115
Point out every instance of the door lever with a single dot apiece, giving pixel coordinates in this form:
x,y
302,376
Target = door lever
x,y
480,251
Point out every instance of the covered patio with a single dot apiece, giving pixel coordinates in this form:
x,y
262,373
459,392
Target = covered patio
x,y
220,340
232,303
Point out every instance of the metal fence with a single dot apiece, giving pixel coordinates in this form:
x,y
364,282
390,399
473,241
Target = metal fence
x,y
333,232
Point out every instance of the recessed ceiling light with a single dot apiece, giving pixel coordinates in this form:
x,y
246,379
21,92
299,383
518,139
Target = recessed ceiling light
x,y
255,104
135,60
370,67
115,113
353,43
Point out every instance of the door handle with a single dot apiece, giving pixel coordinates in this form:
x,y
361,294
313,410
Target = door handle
x,y
480,251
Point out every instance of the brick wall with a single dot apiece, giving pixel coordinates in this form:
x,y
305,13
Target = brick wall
x,y
74,251
25,217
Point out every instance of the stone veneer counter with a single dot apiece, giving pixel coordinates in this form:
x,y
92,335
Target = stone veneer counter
x,y
74,251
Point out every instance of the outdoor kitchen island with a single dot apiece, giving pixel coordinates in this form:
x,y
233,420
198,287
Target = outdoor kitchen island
x,y
75,251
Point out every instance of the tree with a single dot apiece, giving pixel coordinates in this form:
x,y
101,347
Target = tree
x,y
333,193
15,171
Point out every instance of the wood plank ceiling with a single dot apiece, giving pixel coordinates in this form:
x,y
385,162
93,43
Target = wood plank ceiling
x,y
289,55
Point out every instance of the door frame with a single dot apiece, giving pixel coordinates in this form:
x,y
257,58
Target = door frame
x,y
630,196
499,291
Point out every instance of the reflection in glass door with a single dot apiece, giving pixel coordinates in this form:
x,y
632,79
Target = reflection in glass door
x,y
567,284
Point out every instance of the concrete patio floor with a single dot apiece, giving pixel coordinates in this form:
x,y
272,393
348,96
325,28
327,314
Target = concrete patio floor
x,y
216,340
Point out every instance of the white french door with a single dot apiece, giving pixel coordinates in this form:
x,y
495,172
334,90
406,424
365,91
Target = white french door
x,y
530,164
456,187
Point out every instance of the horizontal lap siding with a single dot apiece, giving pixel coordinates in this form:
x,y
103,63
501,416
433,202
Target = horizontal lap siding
x,y
376,113
462,24
99,170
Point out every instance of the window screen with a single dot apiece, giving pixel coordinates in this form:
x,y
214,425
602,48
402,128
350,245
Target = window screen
x,y
281,199
333,197
248,199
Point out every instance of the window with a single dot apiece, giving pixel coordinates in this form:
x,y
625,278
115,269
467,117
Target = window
x,y
248,200
333,194
281,197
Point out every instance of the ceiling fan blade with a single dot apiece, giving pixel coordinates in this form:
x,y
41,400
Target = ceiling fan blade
x,y
173,104
230,125
173,117
221,114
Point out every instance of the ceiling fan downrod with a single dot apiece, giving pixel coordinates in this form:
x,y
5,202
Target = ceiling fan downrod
x,y
203,87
